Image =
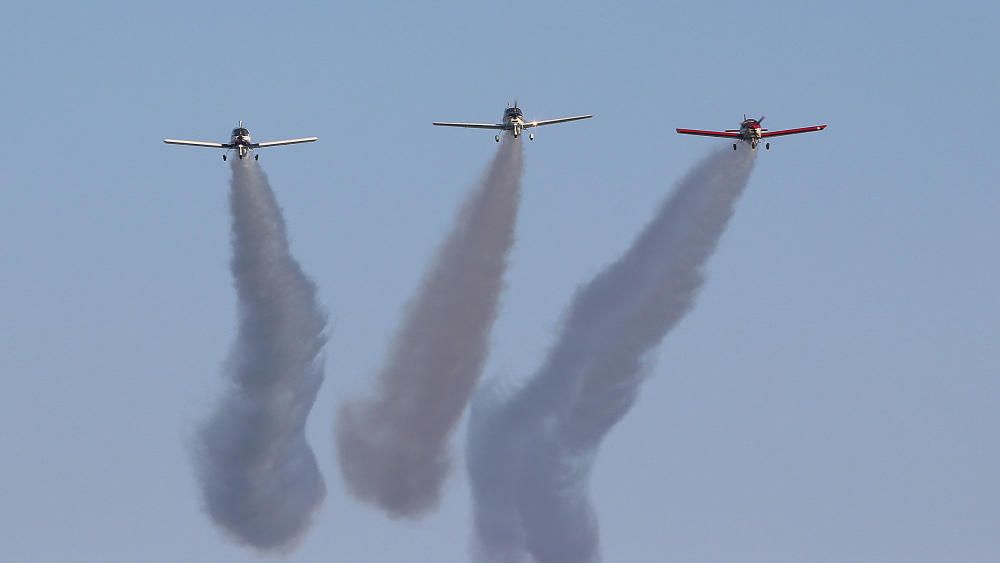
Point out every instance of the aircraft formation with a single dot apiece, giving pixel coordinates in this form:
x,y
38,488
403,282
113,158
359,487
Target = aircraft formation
x,y
513,123
393,449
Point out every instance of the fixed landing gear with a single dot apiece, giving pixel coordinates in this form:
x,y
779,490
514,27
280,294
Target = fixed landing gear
x,y
734,146
497,138
256,157
531,136
223,158
767,146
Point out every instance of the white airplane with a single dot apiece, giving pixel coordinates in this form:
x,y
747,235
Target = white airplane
x,y
513,121
240,142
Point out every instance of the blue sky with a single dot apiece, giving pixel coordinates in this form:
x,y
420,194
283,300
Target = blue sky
x,y
833,396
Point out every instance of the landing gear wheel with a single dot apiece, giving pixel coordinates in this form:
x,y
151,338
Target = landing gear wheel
x,y
767,146
531,136
223,158
256,157
734,146
497,138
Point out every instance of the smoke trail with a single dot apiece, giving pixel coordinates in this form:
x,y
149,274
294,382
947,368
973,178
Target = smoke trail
x,y
530,452
393,448
258,475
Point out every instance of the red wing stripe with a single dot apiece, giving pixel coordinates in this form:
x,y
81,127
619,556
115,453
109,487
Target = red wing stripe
x,y
793,131
708,133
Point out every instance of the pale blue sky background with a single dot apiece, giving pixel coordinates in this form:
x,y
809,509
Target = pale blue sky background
x,y
833,397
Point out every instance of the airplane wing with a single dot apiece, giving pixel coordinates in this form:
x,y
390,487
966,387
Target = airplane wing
x,y
730,134
198,144
285,142
471,125
559,120
793,131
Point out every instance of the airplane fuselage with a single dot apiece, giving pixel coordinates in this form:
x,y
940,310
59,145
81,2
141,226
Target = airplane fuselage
x,y
240,139
750,132
513,119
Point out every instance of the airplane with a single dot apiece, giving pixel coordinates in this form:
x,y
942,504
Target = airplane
x,y
751,132
513,121
240,142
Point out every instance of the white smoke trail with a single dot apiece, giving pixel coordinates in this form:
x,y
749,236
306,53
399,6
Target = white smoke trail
x,y
394,447
259,477
529,454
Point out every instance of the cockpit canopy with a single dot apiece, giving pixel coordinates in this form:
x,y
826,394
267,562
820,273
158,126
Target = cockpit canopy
x,y
241,132
514,112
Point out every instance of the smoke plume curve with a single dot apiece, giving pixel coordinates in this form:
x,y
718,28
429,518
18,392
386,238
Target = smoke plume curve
x,y
530,451
394,447
259,477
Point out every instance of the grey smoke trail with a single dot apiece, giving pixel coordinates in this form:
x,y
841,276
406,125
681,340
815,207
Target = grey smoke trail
x,y
530,451
393,448
259,477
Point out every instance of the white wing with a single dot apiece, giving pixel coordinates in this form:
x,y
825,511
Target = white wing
x,y
559,120
471,125
198,144
285,142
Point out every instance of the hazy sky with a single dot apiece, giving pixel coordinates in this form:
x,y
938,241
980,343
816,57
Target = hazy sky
x,y
834,395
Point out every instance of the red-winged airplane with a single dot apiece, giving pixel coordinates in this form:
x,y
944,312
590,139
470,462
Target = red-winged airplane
x,y
751,132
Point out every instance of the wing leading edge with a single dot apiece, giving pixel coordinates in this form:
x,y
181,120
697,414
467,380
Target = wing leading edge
x,y
541,122
284,142
729,134
793,131
470,125
198,144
